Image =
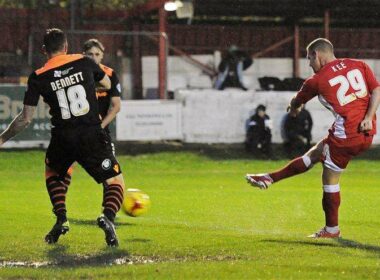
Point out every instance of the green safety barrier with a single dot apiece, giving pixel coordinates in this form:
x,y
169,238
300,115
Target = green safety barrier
x,y
11,103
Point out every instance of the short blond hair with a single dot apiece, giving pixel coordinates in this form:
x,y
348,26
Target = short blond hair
x,y
93,43
320,44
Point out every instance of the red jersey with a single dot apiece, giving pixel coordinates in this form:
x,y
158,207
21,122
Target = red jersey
x,y
344,87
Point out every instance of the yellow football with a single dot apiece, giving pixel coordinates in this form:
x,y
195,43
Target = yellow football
x,y
136,202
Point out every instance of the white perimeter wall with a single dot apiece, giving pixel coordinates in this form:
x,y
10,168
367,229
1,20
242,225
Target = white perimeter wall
x,y
182,74
211,116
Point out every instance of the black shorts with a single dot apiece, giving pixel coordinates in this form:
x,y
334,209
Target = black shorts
x,y
89,146
110,139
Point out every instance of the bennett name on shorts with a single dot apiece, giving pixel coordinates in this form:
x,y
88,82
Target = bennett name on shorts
x,y
67,81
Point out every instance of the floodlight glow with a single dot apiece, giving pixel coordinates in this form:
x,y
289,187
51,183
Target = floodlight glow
x,y
179,4
170,6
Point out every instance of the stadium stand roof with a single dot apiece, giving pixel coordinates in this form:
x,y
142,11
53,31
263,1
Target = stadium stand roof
x,y
348,13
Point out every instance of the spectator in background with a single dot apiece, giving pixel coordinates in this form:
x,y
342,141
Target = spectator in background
x,y
109,100
230,70
259,135
296,132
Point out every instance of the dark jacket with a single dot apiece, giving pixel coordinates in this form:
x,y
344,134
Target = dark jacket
x,y
259,135
299,125
231,70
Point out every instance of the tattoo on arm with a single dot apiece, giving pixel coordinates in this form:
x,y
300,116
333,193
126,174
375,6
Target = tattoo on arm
x,y
19,123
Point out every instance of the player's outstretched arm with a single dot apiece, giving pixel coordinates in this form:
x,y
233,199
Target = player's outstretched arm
x,y
18,124
115,108
294,107
366,124
307,92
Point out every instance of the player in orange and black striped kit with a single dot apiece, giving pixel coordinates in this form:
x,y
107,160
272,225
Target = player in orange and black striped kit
x,y
109,100
68,84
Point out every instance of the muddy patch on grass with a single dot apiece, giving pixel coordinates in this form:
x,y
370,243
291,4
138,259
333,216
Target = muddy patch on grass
x,y
23,264
101,260
82,261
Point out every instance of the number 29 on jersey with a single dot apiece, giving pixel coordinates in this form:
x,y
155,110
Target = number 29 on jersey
x,y
354,79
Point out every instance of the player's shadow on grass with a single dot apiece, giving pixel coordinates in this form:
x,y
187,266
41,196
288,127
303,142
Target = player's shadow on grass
x,y
289,242
58,256
338,242
94,223
357,245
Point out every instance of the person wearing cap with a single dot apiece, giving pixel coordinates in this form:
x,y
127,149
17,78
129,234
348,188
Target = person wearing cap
x,y
259,133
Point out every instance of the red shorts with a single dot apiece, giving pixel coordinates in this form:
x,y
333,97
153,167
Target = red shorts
x,y
338,152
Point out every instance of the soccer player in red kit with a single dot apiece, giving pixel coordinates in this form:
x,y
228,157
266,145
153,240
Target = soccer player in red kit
x,y
349,89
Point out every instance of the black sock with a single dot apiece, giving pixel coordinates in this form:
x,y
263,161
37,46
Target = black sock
x,y
61,218
109,214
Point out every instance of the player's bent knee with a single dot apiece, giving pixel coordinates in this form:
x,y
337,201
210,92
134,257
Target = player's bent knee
x,y
314,156
50,172
330,176
70,170
315,153
118,179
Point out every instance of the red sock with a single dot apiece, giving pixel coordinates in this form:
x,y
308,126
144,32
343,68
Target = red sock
x,y
296,166
330,203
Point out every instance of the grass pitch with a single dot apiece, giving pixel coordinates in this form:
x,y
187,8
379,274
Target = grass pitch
x,y
205,223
